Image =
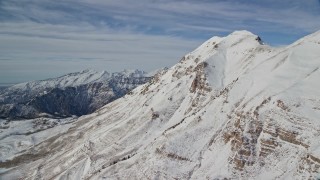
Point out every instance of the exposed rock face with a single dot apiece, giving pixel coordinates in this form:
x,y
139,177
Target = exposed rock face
x,y
234,108
73,94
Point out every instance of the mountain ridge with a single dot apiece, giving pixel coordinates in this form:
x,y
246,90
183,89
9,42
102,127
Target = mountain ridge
x,y
72,94
232,108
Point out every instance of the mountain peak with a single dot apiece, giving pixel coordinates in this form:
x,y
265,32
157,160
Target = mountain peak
x,y
242,33
224,55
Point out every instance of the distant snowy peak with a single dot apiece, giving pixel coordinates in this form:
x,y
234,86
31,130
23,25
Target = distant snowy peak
x,y
128,73
77,78
76,93
68,80
86,75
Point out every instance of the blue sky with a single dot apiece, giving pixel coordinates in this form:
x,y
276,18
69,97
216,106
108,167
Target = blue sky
x,y
47,38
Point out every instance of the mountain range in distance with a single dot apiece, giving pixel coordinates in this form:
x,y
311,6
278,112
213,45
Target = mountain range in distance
x,y
74,94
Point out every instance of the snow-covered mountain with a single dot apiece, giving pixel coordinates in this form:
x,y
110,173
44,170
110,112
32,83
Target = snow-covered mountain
x,y
72,94
233,108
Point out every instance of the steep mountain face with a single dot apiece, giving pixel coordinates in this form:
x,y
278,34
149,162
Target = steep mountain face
x,y
73,94
232,108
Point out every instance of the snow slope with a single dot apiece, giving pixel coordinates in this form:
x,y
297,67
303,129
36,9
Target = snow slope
x,y
233,108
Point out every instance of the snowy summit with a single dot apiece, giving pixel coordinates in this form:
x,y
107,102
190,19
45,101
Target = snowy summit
x,y
233,108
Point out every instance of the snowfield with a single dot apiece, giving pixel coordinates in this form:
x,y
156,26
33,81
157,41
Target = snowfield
x,y
233,108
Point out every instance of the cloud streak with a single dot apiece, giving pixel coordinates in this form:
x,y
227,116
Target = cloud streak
x,y
163,16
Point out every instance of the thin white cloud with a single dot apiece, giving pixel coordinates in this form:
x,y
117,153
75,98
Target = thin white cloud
x,y
288,15
167,13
